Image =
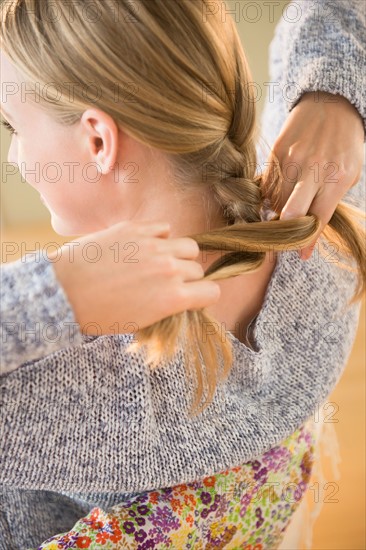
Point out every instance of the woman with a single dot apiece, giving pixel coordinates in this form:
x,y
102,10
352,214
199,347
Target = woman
x,y
137,436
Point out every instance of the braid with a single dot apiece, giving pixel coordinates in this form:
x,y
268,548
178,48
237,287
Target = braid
x,y
239,194
238,190
228,163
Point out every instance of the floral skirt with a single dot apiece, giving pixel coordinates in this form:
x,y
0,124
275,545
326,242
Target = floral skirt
x,y
246,507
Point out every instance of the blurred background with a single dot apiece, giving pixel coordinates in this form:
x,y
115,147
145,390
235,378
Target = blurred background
x,y
25,221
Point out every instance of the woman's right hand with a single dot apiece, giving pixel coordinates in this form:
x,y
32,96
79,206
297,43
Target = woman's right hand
x,y
131,275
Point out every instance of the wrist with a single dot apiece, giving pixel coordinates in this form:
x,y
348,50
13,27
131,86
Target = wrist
x,y
320,96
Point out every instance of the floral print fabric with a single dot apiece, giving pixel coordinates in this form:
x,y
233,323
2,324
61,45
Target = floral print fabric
x,y
246,507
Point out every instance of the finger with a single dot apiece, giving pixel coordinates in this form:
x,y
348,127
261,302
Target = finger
x,y
200,294
291,176
301,198
190,270
298,205
310,197
323,207
182,247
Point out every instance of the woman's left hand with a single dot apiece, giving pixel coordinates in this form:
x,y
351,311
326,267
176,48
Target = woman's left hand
x,y
321,149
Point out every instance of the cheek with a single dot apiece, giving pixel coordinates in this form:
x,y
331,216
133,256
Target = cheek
x,y
42,169
68,186
65,191
30,162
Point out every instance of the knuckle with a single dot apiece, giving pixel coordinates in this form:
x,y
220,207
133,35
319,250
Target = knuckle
x,y
342,172
295,155
158,264
153,246
295,163
308,163
170,265
280,146
311,159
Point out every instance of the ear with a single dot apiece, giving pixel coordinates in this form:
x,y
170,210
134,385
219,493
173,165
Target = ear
x,y
102,138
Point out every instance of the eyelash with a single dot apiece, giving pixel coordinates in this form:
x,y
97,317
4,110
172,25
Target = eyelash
x,y
8,126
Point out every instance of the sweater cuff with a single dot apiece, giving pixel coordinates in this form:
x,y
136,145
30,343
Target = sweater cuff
x,y
325,75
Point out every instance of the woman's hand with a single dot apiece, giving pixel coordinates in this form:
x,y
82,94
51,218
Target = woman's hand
x,y
320,149
137,278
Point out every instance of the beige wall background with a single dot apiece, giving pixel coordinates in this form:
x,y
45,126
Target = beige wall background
x,y
20,203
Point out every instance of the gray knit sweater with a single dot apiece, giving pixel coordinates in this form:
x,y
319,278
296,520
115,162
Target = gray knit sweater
x,y
84,424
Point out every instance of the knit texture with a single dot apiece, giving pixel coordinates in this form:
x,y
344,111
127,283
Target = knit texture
x,y
319,46
36,315
84,423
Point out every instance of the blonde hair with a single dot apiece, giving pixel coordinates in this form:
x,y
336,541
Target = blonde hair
x,y
191,99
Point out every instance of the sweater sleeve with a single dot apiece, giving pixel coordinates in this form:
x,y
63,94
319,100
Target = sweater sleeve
x,y
326,50
36,316
317,46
